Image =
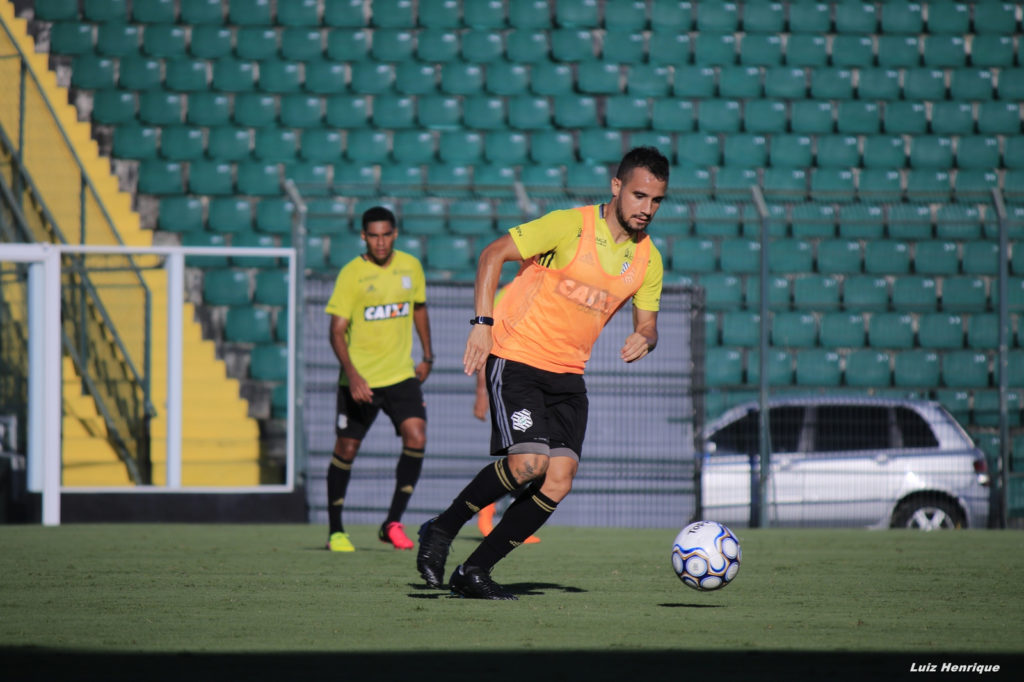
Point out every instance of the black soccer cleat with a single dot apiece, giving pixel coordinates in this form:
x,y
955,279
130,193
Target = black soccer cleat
x,y
432,553
475,583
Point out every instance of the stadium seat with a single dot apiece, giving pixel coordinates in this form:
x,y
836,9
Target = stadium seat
x,y
868,369
719,116
785,82
880,83
627,112
572,45
767,116
811,117
672,115
842,330
449,179
745,150
535,113
831,83
762,50
916,369
348,45
862,292
367,78
980,258
252,239
952,17
269,362
525,46
785,183
181,143
779,364
790,151
739,82
999,117
135,142
724,367
437,46
668,47
794,329
740,328
891,330
779,297
965,368
629,48
905,118
226,286
886,257
833,184
899,51
806,49
972,84
992,51
693,255
940,330
944,50
480,46
450,253
818,367
852,50
861,221
160,177
790,256
909,221
914,293
723,291
740,256
491,14
462,78
506,78
180,214
258,179
936,257
838,151
816,292
964,294
229,215
715,49
718,219
839,256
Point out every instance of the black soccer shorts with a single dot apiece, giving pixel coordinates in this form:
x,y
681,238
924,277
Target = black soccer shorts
x,y
535,411
400,401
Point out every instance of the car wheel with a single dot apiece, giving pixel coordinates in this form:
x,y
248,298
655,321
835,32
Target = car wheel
x,y
928,514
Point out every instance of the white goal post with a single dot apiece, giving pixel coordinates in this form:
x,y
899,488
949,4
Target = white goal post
x,y
44,413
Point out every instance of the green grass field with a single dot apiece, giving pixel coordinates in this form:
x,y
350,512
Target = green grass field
x,y
594,603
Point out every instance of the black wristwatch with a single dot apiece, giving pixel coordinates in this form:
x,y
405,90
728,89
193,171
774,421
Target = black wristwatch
x,y
480,319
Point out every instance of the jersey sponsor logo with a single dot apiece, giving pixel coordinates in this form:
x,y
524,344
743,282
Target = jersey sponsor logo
x,y
406,282
522,420
386,311
590,298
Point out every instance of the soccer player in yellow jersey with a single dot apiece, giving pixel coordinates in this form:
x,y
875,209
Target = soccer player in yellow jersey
x,y
378,298
584,264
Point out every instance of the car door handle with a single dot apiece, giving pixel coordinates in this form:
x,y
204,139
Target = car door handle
x,y
881,459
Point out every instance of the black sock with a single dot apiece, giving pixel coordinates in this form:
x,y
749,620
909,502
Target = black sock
x,y
338,474
407,473
521,520
493,481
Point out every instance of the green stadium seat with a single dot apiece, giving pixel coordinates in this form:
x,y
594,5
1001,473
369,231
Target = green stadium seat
x,y
952,17
905,118
718,16
269,362
494,181
271,287
471,217
986,409
995,17
791,151
551,79
811,117
587,178
301,111
451,253
717,219
71,38
280,77
507,78
462,78
693,255
672,115
980,258
625,15
745,150
1014,371
325,77
869,369
570,112
304,44
779,364
880,83
328,216
928,185
160,177
366,145
180,214
992,51
839,256
886,257
165,41
139,73
831,83
229,215
298,13
723,291
185,75
724,367
850,50
818,367
879,184
842,330
209,109
698,149
902,17
816,292
423,216
629,48
719,116
861,221
571,45
891,330
543,179
56,10
838,151
348,45
598,77
113,107
390,45
552,147
117,39
201,11
965,294
393,14
181,143
207,41
740,256
940,330
936,257
226,286
832,184
916,369
347,112
806,49
648,80
449,179
233,75
965,368
952,118
944,50
884,152
715,49
521,14
899,51
924,84
971,84
739,82
761,49
437,46
158,107
321,144
600,145
228,143
525,46
672,14
980,152
535,113
790,256
440,14
862,292
958,221
204,239
785,82
344,247
258,178
311,178
627,112
909,221
778,292
785,183
253,240
999,117
915,293
255,42
249,12
793,329
275,144
696,81
1011,84
134,142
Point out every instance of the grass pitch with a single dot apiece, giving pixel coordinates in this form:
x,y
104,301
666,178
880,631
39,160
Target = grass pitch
x,y
215,601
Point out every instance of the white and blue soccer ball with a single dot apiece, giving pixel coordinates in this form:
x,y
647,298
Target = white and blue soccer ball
x,y
706,555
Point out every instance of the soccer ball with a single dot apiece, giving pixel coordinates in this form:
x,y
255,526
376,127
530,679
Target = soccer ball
x,y
706,555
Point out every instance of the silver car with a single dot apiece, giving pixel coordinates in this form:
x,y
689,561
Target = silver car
x,y
857,461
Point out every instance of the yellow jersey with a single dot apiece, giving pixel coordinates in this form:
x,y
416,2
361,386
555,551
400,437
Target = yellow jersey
x,y
554,237
378,304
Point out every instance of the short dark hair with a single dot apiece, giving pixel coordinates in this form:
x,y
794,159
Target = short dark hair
x,y
643,157
376,214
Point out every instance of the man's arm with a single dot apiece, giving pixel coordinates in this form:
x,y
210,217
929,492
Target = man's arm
x,y
644,337
357,384
488,272
422,322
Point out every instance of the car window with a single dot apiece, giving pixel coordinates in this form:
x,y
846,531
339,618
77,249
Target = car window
x,y
850,427
741,436
914,431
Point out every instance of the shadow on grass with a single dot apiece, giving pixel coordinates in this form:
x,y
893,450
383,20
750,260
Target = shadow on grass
x,y
691,606
34,663
519,589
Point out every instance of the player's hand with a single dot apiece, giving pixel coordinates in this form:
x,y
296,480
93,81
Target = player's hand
x,y
423,371
480,406
478,347
636,347
360,390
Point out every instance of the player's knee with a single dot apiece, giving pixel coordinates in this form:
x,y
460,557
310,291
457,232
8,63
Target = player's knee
x,y
346,449
557,488
528,467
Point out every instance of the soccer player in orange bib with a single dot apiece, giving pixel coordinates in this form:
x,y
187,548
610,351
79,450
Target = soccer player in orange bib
x,y
583,265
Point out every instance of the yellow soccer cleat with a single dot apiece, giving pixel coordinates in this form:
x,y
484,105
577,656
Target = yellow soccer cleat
x,y
339,542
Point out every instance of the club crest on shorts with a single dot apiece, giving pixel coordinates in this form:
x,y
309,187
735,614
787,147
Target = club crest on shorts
x,y
342,421
521,420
